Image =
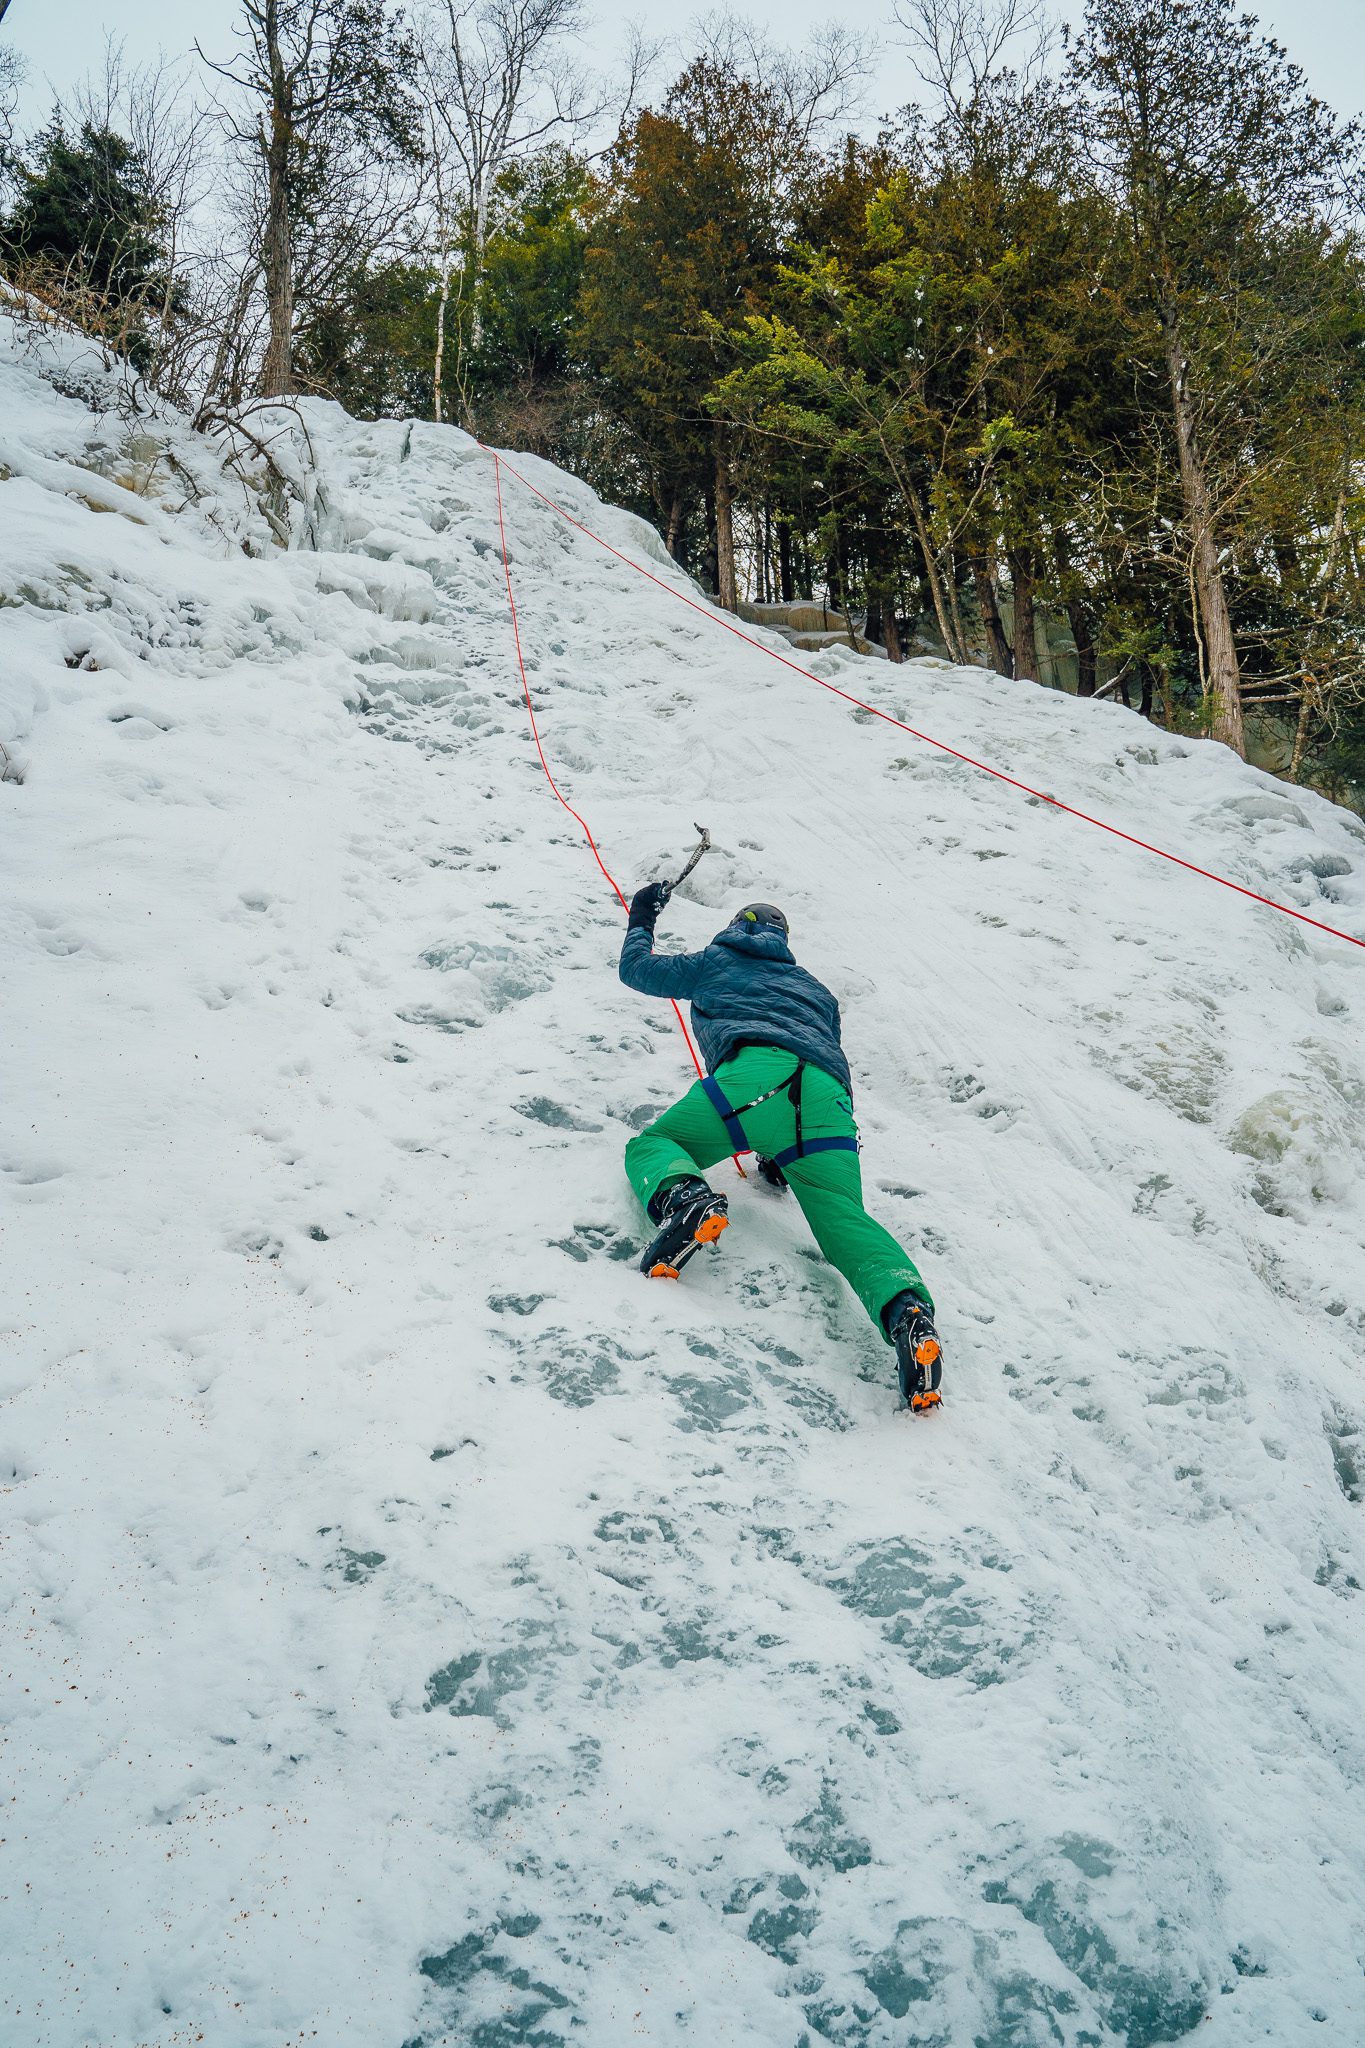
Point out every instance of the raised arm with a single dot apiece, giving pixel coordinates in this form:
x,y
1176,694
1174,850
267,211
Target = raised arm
x,y
655,974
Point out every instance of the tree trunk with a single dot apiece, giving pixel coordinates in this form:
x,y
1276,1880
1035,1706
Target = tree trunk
x,y
277,371
997,646
881,611
1301,732
1083,633
1078,617
675,539
277,253
786,581
935,582
727,589
476,257
437,369
1025,636
216,383
1223,679
958,626
838,573
806,586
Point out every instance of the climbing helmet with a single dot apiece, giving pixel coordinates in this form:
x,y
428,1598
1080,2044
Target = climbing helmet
x,y
760,913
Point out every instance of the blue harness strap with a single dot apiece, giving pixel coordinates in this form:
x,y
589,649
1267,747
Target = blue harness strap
x,y
720,1102
730,1117
813,1145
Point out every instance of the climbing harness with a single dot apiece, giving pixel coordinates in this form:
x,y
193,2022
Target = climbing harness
x,y
1042,796
791,1087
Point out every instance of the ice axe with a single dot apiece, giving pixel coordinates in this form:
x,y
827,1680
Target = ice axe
x,y
703,846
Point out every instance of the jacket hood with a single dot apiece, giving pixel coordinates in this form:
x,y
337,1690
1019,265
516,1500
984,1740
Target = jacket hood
x,y
764,942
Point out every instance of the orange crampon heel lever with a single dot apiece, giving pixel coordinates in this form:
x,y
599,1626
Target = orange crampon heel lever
x,y
927,1355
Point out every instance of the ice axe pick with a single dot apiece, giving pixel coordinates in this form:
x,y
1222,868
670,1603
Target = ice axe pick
x,y
703,846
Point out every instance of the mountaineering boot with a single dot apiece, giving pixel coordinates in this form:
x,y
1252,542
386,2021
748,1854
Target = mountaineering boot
x,y
689,1216
919,1355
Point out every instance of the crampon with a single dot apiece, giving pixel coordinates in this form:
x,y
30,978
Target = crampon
x,y
919,1358
692,1217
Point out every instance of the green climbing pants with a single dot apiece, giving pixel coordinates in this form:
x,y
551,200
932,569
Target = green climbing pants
x,y
690,1136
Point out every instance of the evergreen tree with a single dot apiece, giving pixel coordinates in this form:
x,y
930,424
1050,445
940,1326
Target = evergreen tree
x,y
369,345
533,266
687,239
86,229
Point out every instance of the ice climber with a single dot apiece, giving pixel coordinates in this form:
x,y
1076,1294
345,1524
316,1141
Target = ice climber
x,y
754,1013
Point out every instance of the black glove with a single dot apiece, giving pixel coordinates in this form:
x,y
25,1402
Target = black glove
x,y
646,904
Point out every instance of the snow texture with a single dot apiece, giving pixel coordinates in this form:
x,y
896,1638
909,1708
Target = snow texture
x,y
421,1630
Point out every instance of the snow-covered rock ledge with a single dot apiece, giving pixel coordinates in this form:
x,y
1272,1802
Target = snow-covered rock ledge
x,y
419,1630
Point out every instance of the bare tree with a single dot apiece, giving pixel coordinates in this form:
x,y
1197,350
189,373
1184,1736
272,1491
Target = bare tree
x,y
317,82
443,192
11,77
816,91
152,106
499,86
960,48
502,89
230,319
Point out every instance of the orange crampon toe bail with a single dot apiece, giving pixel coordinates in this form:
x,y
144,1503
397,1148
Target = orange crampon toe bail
x,y
691,1226
927,1355
706,1232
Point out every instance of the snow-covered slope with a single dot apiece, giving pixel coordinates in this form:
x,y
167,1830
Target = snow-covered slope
x,y
420,1629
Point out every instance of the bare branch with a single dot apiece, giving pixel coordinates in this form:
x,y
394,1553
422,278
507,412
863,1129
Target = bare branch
x,y
820,88
960,48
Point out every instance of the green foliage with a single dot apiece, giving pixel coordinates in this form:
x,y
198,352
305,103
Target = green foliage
x,y
933,371
372,345
533,272
86,228
686,238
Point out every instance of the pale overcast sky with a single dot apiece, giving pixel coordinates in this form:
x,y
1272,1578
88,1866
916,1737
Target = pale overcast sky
x,y
60,39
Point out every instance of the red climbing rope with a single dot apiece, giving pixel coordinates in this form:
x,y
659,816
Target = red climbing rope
x,y
717,618
581,822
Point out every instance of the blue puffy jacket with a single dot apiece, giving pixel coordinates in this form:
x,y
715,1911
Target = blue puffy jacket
x,y
745,989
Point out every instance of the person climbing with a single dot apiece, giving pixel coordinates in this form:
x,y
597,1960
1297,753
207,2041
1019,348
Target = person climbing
x,y
754,1011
